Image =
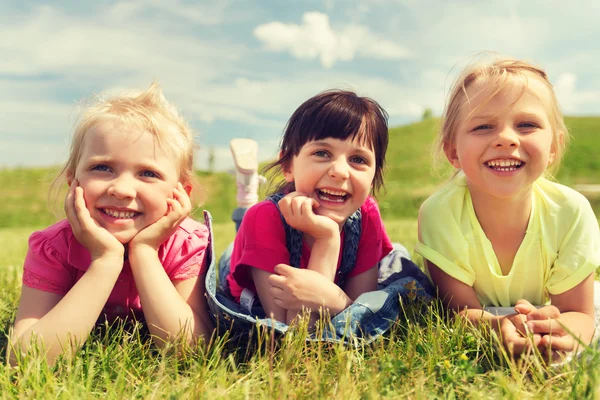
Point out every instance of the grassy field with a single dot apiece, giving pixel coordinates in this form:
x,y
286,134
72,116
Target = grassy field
x,y
424,356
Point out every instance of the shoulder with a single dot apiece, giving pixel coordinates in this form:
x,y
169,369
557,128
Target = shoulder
x,y
373,228
562,201
447,200
190,233
371,217
263,216
263,209
58,237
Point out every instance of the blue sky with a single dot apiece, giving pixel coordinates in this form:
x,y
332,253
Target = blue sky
x,y
240,68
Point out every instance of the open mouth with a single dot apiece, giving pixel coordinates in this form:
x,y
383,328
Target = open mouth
x,y
334,196
120,214
504,165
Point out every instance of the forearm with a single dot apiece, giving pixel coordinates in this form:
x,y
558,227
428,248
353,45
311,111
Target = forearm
x,y
166,312
68,324
579,325
324,257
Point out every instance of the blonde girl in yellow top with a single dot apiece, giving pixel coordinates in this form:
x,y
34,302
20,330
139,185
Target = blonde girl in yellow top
x,y
500,234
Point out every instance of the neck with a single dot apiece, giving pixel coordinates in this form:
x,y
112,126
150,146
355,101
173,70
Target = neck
x,y
502,214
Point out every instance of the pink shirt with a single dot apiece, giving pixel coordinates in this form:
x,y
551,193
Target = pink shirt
x,y
56,261
260,243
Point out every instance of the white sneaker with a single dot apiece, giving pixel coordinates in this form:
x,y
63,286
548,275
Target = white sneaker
x,y
245,156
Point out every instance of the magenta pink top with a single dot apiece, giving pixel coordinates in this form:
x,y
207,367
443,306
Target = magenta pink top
x,y
260,243
55,261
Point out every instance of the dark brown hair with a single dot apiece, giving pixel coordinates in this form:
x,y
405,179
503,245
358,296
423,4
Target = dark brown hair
x,y
337,114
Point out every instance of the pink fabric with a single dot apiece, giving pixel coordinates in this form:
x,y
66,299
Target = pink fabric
x,y
260,243
55,261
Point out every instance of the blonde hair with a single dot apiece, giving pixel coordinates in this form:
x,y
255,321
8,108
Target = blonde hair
x,y
500,73
147,110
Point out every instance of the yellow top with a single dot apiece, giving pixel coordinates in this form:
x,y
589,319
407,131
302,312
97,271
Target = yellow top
x,y
561,246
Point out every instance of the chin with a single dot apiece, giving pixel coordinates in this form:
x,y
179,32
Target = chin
x,y
124,238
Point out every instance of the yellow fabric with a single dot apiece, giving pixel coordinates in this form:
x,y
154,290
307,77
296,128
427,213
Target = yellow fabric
x,y
560,248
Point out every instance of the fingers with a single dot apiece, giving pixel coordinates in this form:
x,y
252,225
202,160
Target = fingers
x,y
297,204
283,270
69,204
178,208
524,307
546,327
544,313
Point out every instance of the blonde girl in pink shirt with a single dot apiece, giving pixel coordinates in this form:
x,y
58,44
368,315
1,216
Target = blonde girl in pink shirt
x,y
127,240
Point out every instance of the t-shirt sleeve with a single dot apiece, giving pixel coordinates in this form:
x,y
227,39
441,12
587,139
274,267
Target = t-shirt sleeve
x,y
579,253
260,243
45,267
374,241
184,252
441,240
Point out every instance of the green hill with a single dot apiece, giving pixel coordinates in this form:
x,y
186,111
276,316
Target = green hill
x,y
409,178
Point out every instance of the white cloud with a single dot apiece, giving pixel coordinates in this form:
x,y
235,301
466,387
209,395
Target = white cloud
x,y
569,97
315,38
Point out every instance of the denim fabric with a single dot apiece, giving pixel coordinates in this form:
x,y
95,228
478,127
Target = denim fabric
x,y
370,316
352,231
238,216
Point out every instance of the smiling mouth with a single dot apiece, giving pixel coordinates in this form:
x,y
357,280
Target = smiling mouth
x,y
504,165
335,196
120,214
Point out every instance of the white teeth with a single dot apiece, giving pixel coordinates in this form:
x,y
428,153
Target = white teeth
x,y
334,192
120,214
504,163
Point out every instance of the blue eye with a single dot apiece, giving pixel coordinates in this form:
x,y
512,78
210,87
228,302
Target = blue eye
x,y
482,127
100,167
149,174
528,125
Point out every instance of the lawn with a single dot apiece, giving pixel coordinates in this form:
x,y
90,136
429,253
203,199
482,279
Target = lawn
x,y
425,355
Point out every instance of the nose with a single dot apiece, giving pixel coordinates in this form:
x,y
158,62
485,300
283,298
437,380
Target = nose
x,y
339,169
122,187
507,138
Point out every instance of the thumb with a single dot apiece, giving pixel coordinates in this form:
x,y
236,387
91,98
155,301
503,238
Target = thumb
x,y
524,307
283,269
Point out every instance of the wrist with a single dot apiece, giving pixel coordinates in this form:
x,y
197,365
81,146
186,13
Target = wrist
x,y
141,252
108,261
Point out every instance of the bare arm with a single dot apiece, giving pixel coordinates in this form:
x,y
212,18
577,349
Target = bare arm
x,y
170,308
62,323
461,298
570,318
270,306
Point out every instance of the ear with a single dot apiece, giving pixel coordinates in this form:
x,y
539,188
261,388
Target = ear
x,y
559,142
452,155
286,168
287,174
70,178
188,188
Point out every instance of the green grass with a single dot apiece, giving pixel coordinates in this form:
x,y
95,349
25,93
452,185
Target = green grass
x,y
424,356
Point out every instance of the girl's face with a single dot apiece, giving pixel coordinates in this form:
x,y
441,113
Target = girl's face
x,y
507,143
338,174
126,178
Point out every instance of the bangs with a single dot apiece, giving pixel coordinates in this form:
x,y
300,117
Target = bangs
x,y
341,117
495,83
